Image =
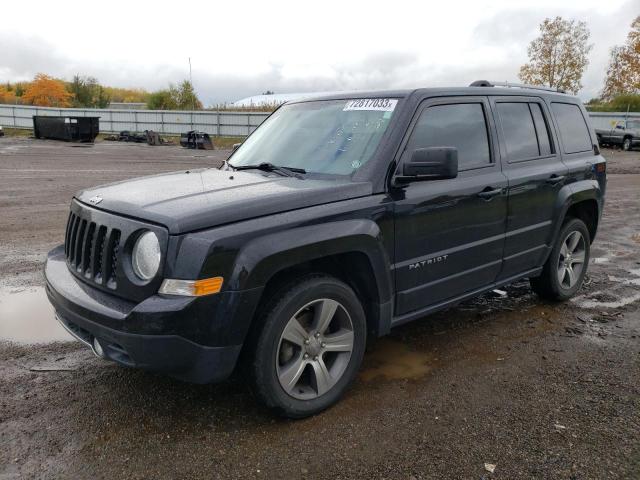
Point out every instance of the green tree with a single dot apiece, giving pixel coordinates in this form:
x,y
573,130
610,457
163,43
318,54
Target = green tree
x,y
20,89
186,97
558,57
180,97
161,100
619,103
88,93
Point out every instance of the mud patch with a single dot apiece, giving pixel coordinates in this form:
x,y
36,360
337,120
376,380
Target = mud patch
x,y
636,237
392,360
26,316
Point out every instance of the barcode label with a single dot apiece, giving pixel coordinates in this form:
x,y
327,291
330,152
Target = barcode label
x,y
379,104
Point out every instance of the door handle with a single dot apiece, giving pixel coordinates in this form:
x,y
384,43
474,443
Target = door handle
x,y
488,193
555,179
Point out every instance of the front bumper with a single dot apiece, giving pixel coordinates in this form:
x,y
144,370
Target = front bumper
x,y
194,339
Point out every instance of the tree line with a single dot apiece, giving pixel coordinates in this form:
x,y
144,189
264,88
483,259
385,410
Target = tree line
x,y
87,92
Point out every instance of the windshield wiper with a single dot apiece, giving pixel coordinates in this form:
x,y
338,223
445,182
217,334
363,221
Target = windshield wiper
x,y
270,167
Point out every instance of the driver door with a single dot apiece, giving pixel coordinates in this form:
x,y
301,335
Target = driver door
x,y
450,233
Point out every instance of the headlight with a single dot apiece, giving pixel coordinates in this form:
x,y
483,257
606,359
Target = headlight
x,y
145,257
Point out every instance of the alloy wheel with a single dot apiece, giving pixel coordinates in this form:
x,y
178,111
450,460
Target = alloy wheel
x,y
314,349
571,259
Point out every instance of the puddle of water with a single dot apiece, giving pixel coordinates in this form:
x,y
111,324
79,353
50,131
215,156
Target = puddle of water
x,y
598,260
26,316
393,360
624,281
617,304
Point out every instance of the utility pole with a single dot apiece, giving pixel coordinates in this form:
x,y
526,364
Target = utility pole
x,y
193,93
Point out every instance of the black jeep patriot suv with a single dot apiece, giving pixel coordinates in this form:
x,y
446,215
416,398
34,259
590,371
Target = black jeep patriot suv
x,y
339,218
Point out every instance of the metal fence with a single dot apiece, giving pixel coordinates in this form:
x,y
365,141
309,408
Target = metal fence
x,y
220,123
606,120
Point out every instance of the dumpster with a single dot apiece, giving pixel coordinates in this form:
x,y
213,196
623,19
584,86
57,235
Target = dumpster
x,y
197,140
69,129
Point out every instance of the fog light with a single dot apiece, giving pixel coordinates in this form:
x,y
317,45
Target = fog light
x,y
97,348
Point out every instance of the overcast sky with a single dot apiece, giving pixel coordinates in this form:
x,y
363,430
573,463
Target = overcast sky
x,y
242,48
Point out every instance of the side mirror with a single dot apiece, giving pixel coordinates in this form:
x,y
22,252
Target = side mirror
x,y
235,147
431,163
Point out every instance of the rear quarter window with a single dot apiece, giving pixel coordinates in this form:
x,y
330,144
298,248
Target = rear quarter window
x,y
572,126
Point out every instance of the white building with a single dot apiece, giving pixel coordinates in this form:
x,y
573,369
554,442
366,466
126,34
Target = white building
x,y
275,99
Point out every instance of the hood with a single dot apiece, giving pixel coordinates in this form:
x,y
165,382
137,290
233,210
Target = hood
x,y
198,199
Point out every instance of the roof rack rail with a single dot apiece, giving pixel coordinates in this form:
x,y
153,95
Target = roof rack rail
x,y
487,83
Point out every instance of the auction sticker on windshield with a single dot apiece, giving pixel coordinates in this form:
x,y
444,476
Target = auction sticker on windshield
x,y
379,104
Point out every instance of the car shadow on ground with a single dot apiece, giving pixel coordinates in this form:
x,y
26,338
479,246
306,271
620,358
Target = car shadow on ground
x,y
409,354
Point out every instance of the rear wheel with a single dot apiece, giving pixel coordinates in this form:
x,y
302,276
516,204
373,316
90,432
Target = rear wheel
x,y
564,272
309,347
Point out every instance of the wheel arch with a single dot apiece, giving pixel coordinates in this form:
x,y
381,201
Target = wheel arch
x,y
587,211
350,250
583,200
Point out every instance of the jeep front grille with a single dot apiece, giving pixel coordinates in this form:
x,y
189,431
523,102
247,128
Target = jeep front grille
x,y
92,250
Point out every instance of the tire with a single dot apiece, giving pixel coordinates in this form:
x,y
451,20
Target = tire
x,y
300,361
557,282
626,144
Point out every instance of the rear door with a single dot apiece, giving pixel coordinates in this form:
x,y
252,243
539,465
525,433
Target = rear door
x,y
535,173
450,233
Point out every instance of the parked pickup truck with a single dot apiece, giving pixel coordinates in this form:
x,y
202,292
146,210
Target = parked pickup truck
x,y
338,219
625,134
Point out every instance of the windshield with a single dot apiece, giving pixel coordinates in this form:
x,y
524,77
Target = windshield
x,y
331,137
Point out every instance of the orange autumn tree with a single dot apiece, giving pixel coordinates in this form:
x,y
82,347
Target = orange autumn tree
x,y
7,95
46,91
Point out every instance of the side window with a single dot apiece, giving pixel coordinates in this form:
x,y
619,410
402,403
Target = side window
x,y
460,125
573,128
519,131
544,141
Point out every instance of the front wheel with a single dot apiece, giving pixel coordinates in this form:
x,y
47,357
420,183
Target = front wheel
x,y
626,144
308,347
564,272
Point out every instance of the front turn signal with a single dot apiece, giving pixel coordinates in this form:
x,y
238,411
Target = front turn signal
x,y
191,288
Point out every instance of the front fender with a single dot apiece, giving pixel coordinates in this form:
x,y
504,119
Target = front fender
x,y
265,256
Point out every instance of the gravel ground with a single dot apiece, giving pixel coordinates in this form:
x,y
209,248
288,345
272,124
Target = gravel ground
x,y
539,390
